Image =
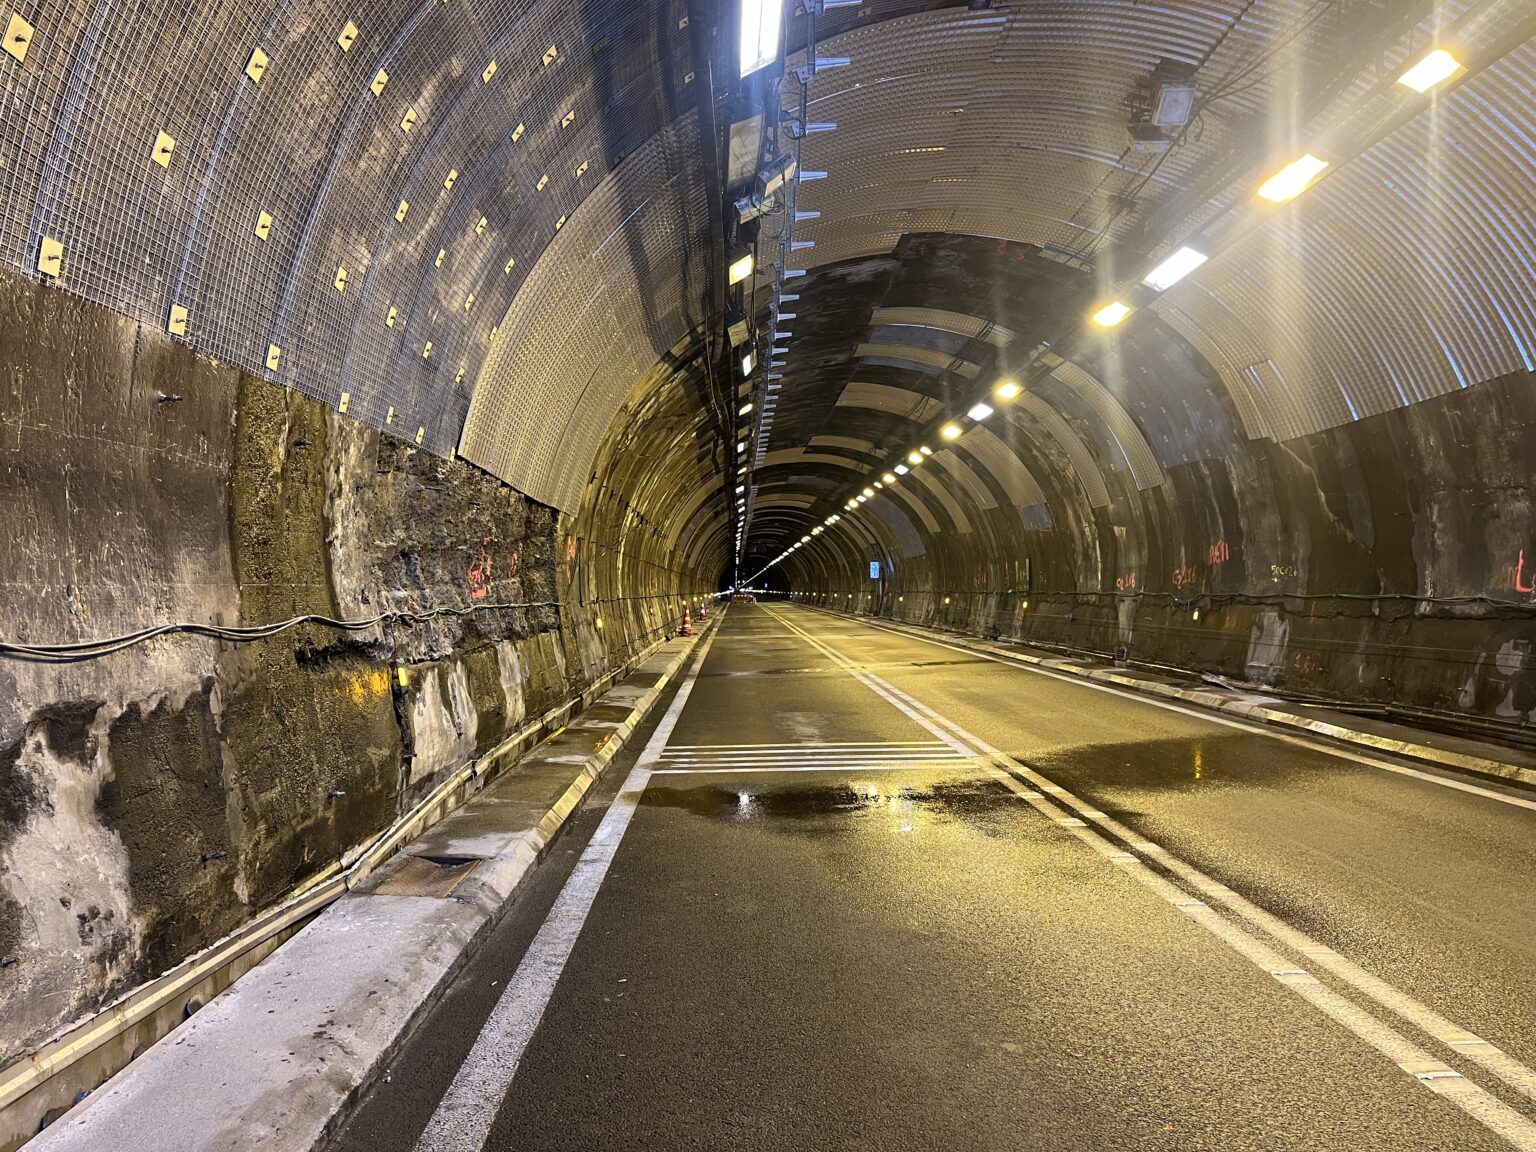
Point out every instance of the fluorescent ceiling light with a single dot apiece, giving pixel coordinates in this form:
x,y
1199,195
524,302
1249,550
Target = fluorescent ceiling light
x,y
925,450
869,492
889,478
741,268
914,457
861,498
1435,68
1292,180
1174,269
980,411
747,364
901,469
744,409
1007,389
761,22
1111,314
950,431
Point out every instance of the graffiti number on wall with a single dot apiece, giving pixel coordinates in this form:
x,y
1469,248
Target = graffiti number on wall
x,y
1218,553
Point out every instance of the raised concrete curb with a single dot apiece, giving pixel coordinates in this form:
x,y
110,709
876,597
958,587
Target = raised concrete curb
x,y
1461,755
278,1060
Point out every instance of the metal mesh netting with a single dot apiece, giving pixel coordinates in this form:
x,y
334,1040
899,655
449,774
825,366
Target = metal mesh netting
x,y
232,160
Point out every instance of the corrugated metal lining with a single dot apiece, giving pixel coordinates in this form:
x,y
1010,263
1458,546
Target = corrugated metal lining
x,y
913,406
801,456
968,326
617,288
904,493
936,489
851,443
1083,463
1124,430
313,149
1004,465
911,354
902,531
1409,273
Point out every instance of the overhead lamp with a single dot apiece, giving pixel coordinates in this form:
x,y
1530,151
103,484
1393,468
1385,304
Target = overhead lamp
x,y
861,497
1007,389
950,431
1292,180
741,267
878,484
914,457
1111,314
761,23
747,364
1436,68
740,488
1174,268
980,411
889,478
741,446
901,469
925,450
818,530
869,492
744,409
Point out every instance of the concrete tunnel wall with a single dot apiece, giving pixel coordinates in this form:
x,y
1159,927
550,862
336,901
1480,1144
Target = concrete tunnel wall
x,y
154,799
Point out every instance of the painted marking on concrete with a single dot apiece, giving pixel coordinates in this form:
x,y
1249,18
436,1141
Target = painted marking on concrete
x,y
463,1119
954,764
1226,721
1476,1101
813,745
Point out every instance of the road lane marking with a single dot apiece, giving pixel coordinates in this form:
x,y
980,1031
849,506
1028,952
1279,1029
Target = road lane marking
x,y
464,1116
1250,727
951,765
1472,1098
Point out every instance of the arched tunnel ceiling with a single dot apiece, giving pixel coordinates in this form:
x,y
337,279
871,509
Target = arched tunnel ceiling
x,y
482,227
978,180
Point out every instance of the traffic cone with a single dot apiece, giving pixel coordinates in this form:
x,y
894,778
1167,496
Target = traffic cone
x,y
703,611
687,628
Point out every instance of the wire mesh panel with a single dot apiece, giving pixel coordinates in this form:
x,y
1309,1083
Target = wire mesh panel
x,y
343,198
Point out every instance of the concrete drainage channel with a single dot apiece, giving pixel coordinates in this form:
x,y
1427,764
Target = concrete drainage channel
x,y
331,983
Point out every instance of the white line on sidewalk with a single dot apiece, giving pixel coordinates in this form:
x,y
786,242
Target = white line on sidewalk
x,y
1250,726
1472,1098
464,1117
950,764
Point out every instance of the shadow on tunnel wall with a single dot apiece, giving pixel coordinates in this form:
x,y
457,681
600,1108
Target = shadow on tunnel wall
x,y
155,798
1387,561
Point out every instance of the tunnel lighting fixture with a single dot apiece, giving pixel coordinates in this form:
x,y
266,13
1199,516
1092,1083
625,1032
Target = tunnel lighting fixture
x,y
878,484
901,469
741,268
740,488
1007,389
744,409
1111,314
889,478
761,22
980,411
1436,68
925,450
914,457
741,446
747,364
869,492
818,530
950,431
861,497
1292,180
1174,268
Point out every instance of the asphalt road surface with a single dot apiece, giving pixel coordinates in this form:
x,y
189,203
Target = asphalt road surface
x,y
860,890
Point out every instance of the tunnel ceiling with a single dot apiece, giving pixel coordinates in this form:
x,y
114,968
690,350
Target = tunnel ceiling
x,y
484,227
980,198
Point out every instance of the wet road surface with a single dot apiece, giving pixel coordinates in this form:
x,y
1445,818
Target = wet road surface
x,y
873,892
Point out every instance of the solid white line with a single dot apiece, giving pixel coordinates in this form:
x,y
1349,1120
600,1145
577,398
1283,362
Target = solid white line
x,y
841,758
463,1119
1476,1101
1249,726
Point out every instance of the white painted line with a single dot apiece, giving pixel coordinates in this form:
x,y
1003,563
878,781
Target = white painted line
x,y
463,1119
811,745
1473,1099
789,761
954,764
1226,721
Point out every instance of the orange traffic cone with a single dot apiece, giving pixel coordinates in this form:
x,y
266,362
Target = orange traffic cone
x,y
703,611
687,628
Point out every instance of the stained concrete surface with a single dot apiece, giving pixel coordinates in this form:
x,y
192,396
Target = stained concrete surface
x,y
918,960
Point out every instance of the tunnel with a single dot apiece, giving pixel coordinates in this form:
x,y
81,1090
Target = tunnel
x,y
393,390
